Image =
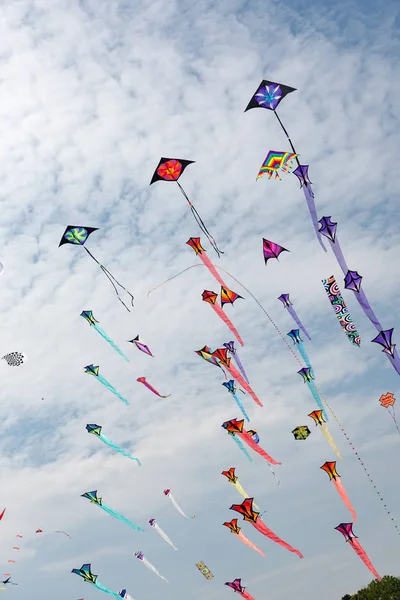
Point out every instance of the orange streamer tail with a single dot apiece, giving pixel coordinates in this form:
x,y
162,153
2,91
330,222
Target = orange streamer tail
x,y
364,557
344,497
262,528
249,440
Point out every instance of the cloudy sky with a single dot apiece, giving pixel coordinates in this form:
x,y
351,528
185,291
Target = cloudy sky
x,y
91,95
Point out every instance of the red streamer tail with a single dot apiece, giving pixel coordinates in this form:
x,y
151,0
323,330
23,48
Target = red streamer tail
x,y
247,596
344,497
262,528
250,442
364,557
236,375
227,322
207,263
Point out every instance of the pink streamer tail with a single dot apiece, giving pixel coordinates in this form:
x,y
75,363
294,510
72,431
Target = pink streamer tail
x,y
364,557
227,322
247,596
207,263
250,442
151,388
344,497
236,375
262,528
244,539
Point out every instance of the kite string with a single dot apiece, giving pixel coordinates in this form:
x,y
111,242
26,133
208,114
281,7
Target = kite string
x,y
318,389
111,277
393,415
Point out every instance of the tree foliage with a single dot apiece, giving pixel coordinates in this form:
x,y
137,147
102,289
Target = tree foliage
x,y
386,589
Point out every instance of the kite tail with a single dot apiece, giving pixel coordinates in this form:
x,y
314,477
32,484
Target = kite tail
x,y
110,341
103,588
309,196
341,311
164,536
242,408
337,251
330,440
152,568
241,367
294,316
112,512
304,356
365,305
344,497
207,263
236,375
227,322
364,557
246,595
249,440
118,449
241,446
246,541
262,528
111,279
243,493
317,398
200,222
112,389
178,508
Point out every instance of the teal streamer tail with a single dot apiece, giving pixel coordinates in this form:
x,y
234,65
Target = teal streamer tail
x,y
240,405
112,389
118,449
112,512
109,340
317,398
103,588
304,356
241,446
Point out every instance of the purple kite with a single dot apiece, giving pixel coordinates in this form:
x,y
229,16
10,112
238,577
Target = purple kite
x,y
268,95
230,346
140,346
284,298
346,529
237,587
352,281
272,250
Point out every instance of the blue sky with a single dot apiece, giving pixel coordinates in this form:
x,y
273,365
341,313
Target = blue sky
x,y
91,95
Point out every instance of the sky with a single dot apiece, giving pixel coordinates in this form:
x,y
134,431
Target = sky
x,y
92,94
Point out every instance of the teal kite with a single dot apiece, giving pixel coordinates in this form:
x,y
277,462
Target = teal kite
x,y
94,370
96,431
88,315
92,496
87,575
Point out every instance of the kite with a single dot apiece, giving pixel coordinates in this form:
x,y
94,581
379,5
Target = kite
x,y
254,435
230,346
228,296
236,586
272,250
246,510
92,496
240,444
236,427
232,478
230,386
88,315
124,594
294,334
346,529
150,387
341,311
301,432
2,513
206,354
222,355
57,531
352,281
78,235
268,95
194,242
387,401
317,416
14,359
170,169
284,298
330,468
276,161
87,575
211,298
233,526
167,493
140,556
8,581
161,533
308,379
11,561
204,570
140,346
96,431
94,370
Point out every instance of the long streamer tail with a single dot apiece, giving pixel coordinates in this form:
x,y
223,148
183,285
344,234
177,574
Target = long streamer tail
x,y
246,541
120,517
309,196
110,341
317,398
242,408
207,262
245,495
118,449
246,594
227,322
304,356
344,497
364,557
112,389
249,440
105,589
178,508
330,440
241,446
152,568
262,528
165,537
299,324
240,366
236,375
